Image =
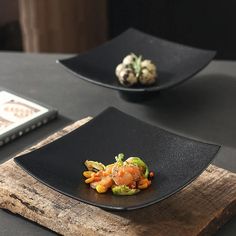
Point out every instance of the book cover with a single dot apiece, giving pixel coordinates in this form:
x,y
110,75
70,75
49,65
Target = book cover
x,y
20,115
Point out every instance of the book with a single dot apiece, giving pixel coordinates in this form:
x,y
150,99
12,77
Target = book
x,y
20,115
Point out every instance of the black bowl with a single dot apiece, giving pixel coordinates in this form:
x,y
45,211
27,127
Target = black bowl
x,y
176,160
175,62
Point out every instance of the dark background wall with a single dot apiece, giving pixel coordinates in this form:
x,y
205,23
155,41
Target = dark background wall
x,y
10,34
208,24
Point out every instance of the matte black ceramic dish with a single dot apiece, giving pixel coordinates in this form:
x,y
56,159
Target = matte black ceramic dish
x,y
176,160
175,62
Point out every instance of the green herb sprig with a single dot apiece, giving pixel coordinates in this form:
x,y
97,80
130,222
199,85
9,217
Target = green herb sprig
x,y
136,64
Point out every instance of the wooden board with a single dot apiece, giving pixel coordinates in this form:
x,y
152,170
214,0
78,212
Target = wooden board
x,y
199,209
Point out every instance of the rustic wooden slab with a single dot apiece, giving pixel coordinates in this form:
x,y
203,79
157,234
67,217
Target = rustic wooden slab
x,y
199,209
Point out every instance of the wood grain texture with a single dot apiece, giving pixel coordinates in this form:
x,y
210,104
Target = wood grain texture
x,y
199,209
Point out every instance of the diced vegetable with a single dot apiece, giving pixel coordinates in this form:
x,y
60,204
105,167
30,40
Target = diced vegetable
x,y
124,190
88,173
94,165
100,188
151,174
139,162
122,177
119,159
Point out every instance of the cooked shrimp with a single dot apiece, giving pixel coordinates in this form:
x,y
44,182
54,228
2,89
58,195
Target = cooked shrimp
x,y
125,175
106,182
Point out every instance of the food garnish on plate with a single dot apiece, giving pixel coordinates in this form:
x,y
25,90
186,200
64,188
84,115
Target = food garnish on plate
x,y
134,70
122,177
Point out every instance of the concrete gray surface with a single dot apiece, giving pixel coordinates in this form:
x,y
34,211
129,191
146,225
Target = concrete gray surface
x,y
202,108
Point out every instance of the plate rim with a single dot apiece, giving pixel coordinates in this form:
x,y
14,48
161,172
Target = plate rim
x,y
134,207
115,208
211,55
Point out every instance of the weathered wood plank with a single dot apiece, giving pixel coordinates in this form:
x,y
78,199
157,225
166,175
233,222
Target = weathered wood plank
x,y
199,209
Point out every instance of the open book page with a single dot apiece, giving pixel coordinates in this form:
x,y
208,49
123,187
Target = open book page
x,y
15,111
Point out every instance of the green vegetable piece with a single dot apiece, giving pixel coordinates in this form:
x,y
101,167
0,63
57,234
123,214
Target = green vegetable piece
x,y
94,165
119,159
140,163
124,190
136,64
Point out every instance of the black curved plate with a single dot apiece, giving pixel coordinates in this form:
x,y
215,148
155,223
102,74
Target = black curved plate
x,y
176,160
175,62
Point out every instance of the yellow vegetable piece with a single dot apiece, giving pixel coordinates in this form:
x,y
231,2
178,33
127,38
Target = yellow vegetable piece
x,y
94,165
143,186
101,189
89,180
88,173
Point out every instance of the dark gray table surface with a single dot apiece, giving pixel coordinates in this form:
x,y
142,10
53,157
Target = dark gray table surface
x,y
203,108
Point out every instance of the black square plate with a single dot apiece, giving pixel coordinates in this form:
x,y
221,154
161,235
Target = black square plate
x,y
176,160
175,62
